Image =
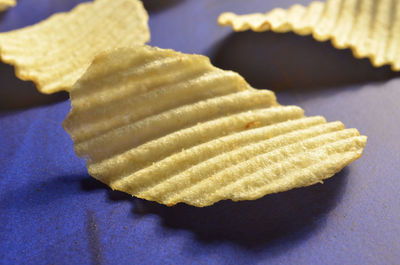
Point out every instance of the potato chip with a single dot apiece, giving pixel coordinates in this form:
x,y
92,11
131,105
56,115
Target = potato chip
x,y
370,28
170,127
56,52
5,4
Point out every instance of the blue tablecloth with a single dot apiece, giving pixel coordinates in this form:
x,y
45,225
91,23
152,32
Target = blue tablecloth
x,y
53,212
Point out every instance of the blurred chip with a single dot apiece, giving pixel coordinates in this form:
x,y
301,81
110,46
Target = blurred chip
x,y
56,52
370,28
170,127
5,4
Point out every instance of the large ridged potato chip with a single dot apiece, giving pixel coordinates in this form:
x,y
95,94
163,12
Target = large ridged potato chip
x,y
5,4
170,127
370,28
57,51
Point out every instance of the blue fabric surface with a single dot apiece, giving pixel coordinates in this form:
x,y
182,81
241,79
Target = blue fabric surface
x,y
53,212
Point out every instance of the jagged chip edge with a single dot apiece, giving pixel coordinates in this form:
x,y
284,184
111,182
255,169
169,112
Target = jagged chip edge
x,y
102,55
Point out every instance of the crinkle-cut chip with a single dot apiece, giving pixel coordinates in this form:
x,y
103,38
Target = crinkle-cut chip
x,y
56,52
170,127
371,29
5,4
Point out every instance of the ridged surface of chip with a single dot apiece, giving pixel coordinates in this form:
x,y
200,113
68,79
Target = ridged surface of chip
x,y
371,29
6,4
170,127
57,51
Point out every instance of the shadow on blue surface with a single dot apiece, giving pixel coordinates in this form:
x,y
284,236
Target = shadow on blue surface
x,y
15,93
155,6
255,225
290,62
41,193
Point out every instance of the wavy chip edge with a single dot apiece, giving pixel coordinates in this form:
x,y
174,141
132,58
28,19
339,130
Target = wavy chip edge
x,y
44,86
302,21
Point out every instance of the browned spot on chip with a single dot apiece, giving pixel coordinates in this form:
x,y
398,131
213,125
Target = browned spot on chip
x,y
253,124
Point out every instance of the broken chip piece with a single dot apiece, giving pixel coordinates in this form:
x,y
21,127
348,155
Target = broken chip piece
x,y
170,127
56,52
5,4
371,29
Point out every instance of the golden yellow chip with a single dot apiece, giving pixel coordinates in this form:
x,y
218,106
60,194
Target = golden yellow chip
x,y
5,4
370,28
56,52
170,127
